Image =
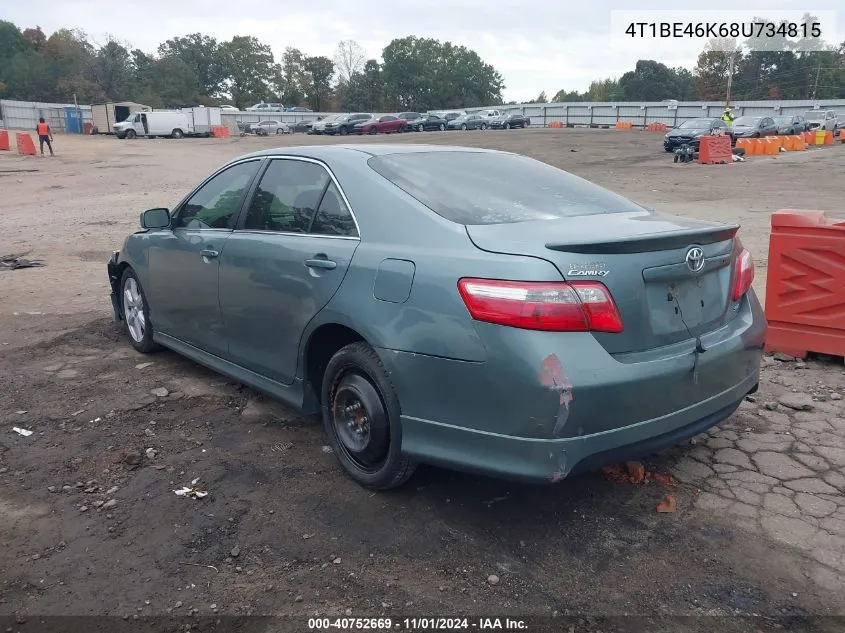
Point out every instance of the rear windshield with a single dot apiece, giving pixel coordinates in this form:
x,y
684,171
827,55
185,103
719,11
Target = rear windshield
x,y
494,188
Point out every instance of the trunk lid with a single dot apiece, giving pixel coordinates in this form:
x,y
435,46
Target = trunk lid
x,y
642,258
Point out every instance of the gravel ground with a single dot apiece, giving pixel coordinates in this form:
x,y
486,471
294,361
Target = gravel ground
x,y
90,524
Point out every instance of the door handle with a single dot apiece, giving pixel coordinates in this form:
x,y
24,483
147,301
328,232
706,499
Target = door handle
x,y
207,253
326,264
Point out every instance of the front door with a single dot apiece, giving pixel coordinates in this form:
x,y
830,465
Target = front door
x,y
185,260
283,263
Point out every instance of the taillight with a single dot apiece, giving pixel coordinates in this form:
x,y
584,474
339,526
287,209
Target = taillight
x,y
580,306
743,274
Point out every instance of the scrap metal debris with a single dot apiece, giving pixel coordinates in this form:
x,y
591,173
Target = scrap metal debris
x,y
13,262
667,504
635,473
21,431
193,492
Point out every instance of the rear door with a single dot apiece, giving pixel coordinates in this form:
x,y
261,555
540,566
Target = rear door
x,y
283,263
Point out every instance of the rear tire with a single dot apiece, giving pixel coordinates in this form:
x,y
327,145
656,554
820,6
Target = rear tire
x,y
483,126
442,127
507,126
177,133
420,128
361,417
464,126
344,131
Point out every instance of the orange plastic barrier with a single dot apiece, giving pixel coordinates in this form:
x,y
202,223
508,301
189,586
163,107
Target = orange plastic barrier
x,y
555,124
809,137
4,140
624,125
787,143
828,137
220,131
842,135
771,144
805,284
656,127
715,150
798,143
749,144
25,144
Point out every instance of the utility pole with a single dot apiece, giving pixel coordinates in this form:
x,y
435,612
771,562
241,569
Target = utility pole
x,y
730,78
816,84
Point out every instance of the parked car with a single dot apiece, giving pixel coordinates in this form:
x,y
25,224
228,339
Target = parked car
x,y
345,123
319,126
428,122
264,128
823,120
547,356
490,114
469,122
690,132
385,124
753,127
449,116
229,108
266,107
410,118
507,121
298,109
791,124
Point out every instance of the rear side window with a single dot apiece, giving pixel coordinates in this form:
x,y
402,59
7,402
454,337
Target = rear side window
x,y
495,188
287,197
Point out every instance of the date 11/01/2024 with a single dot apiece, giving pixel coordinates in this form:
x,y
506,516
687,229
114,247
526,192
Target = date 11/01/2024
x,y
724,29
412,625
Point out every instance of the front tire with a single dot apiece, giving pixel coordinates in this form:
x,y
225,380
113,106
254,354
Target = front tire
x,y
344,131
136,313
507,126
130,134
361,417
177,133
483,126
464,127
420,128
442,127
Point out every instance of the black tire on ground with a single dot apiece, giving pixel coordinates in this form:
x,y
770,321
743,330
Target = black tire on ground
x,y
361,419
420,128
483,126
463,126
177,133
344,131
507,126
442,127
144,343
130,134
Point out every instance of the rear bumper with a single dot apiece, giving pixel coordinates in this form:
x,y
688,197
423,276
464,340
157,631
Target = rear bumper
x,y
502,417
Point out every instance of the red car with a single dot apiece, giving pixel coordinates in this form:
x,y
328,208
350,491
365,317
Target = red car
x,y
381,125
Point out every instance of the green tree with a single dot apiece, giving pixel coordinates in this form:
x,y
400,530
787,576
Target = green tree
x,y
649,81
11,42
541,98
424,73
251,69
204,56
319,72
112,71
293,80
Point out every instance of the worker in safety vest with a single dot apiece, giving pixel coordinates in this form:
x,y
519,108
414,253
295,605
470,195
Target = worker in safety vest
x,y
45,135
728,116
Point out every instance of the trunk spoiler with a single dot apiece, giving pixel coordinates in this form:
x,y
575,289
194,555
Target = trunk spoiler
x,y
649,242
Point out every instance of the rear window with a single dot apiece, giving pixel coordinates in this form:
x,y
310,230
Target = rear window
x,y
493,188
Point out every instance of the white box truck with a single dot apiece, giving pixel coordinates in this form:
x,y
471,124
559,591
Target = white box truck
x,y
172,124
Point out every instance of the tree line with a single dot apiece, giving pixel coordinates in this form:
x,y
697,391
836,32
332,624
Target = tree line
x,y
414,73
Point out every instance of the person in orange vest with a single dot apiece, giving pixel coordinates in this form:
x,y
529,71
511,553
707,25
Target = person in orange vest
x,y
45,135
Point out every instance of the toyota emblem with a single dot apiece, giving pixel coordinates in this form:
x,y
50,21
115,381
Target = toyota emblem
x,y
695,259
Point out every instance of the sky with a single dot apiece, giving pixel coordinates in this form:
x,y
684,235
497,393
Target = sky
x,y
537,45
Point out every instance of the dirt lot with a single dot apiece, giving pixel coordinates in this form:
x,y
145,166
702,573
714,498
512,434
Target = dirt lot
x,y
90,524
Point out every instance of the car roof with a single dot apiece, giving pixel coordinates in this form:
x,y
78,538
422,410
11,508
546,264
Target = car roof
x,y
364,151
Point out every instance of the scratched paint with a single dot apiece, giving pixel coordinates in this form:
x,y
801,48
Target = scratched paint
x,y
553,377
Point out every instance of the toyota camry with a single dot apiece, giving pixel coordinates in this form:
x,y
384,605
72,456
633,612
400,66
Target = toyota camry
x,y
468,308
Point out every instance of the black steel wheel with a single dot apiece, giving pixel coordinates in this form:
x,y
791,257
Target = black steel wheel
x,y
361,417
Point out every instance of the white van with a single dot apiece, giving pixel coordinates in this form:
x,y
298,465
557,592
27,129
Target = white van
x,y
172,124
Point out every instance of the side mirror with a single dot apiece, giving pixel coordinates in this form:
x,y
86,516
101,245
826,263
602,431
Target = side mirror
x,y
155,219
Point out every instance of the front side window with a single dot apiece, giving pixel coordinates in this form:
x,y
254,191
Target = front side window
x,y
287,197
214,205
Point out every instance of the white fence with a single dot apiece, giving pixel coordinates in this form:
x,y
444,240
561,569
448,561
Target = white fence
x,y
62,117
25,114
